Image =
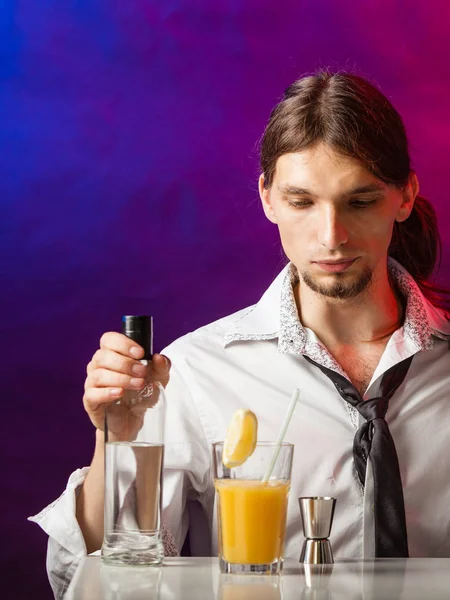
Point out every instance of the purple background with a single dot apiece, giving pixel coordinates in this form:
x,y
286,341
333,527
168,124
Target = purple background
x,y
128,171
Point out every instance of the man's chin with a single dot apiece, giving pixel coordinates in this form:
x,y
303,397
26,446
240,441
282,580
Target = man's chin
x,y
341,286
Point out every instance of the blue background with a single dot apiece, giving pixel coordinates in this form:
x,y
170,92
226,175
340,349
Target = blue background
x,y
128,180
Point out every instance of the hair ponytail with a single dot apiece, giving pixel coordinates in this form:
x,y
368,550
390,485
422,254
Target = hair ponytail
x,y
416,245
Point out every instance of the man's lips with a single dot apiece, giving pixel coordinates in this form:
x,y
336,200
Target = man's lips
x,y
335,266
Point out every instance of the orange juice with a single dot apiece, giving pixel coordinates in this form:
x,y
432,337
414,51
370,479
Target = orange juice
x,y
252,520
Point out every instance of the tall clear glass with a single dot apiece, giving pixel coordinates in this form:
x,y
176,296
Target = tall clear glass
x,y
251,514
134,458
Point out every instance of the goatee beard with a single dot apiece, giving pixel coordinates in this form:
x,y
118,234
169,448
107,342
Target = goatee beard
x,y
339,289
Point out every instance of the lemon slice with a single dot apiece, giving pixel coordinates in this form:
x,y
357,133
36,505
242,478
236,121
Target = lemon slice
x,y
241,438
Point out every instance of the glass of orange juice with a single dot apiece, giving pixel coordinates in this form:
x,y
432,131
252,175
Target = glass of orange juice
x,y
251,513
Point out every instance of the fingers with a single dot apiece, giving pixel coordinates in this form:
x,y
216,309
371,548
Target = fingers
x,y
109,359
161,368
122,344
104,378
116,367
95,396
160,363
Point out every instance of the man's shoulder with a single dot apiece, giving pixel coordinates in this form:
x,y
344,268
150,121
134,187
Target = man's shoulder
x,y
207,336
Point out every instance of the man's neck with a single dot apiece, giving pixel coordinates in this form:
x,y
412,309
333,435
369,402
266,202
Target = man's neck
x,y
370,318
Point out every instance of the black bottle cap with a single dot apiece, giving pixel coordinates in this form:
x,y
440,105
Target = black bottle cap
x,y
139,328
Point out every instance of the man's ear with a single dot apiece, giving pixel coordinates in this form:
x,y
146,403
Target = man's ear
x,y
264,194
410,192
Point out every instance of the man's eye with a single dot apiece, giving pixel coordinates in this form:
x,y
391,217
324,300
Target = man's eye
x,y
300,203
362,203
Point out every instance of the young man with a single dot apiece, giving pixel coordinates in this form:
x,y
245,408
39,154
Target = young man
x,y
352,321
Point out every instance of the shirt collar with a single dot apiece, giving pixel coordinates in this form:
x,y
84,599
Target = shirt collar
x,y
423,320
276,315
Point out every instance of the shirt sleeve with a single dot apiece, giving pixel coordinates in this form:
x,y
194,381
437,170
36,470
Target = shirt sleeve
x,y
186,476
66,544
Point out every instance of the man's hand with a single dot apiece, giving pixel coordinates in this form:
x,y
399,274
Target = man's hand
x,y
114,369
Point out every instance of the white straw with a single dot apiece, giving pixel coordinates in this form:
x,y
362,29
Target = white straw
x,y
284,427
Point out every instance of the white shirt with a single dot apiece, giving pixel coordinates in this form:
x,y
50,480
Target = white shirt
x,y
253,359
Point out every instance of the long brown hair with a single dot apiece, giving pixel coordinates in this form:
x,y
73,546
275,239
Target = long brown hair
x,y
352,116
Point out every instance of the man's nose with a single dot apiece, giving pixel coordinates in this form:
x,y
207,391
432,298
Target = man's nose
x,y
332,231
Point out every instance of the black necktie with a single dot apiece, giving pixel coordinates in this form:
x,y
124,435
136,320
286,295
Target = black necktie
x,y
374,440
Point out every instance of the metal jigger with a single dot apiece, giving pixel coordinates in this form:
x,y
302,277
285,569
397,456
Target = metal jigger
x,y
317,517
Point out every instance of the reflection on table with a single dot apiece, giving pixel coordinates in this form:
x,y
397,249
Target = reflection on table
x,y
199,578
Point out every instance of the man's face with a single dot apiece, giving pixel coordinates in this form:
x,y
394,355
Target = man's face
x,y
335,218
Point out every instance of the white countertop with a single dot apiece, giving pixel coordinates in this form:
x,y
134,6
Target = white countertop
x,y
199,579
